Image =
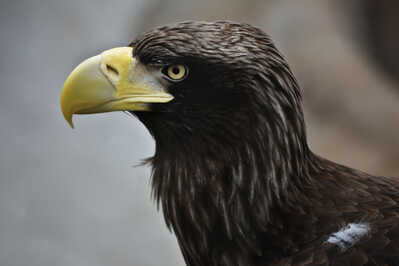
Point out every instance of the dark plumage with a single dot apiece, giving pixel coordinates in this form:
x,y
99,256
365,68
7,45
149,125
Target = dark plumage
x,y
232,170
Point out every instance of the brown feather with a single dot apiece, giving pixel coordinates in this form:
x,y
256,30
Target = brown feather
x,y
232,170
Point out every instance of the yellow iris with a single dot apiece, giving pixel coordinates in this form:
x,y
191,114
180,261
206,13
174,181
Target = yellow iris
x,y
176,72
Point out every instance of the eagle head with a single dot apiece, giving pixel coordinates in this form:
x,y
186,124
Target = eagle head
x,y
196,85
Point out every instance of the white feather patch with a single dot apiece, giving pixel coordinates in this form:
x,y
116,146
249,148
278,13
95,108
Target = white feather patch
x,y
349,235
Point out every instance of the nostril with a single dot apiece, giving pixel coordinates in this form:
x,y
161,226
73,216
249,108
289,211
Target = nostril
x,y
112,71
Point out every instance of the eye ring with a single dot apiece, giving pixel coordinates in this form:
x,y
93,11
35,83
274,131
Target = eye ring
x,y
176,72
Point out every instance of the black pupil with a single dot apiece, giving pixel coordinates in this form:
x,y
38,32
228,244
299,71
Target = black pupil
x,y
176,70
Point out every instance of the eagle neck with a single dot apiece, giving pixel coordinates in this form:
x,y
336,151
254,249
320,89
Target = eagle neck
x,y
225,194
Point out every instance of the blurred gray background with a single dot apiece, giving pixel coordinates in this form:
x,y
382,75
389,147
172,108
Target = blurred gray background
x,y
76,197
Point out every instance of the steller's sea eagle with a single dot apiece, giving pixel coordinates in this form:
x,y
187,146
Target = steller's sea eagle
x,y
232,170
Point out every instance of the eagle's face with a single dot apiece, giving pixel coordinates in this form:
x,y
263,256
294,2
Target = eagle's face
x,y
190,80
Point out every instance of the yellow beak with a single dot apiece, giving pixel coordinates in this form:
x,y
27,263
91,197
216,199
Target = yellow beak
x,y
111,81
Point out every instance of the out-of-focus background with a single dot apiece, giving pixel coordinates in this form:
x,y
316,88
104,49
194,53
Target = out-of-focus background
x,y
75,197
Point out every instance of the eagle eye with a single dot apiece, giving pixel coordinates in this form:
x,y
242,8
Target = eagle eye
x,y
175,72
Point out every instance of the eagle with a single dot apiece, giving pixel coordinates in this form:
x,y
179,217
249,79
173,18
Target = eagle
x,y
232,171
